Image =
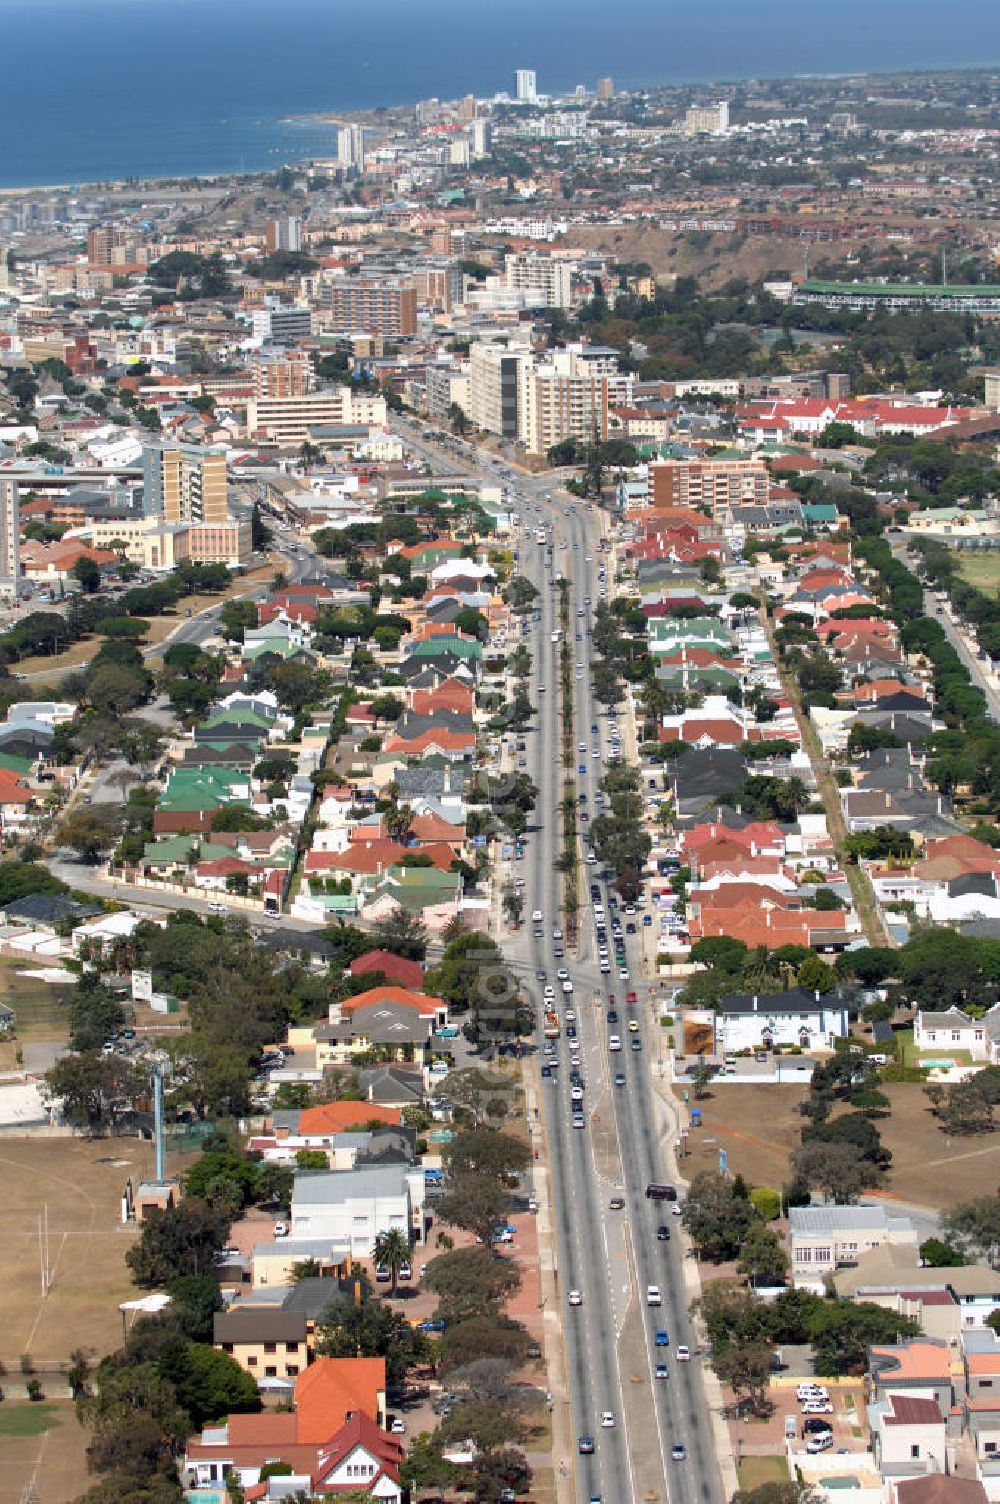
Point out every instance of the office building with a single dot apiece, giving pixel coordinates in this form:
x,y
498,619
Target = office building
x,y
707,120
605,88
709,483
10,537
280,324
481,138
284,234
527,86
444,385
185,483
374,305
547,283
291,420
494,382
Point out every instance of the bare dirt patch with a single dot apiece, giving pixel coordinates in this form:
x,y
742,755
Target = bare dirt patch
x,y
42,1445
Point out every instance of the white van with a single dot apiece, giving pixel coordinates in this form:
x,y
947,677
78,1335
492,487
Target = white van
x,y
614,1043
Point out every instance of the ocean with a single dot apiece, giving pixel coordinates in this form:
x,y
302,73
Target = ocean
x,y
97,89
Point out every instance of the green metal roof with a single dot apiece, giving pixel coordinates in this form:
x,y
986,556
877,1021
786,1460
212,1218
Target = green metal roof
x,y
904,289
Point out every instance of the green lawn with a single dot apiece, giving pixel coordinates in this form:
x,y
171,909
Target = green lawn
x,y
39,1014
908,1054
27,1418
981,567
753,1471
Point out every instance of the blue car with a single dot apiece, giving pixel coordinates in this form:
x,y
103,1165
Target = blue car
x,y
432,1324
662,1338
582,768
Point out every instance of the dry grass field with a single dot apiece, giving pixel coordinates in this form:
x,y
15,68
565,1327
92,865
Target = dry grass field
x,y
758,1126
42,1445
80,1182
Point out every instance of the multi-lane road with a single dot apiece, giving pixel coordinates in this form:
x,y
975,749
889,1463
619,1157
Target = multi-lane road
x,y
608,1255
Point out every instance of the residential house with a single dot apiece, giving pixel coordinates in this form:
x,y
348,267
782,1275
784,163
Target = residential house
x,y
907,1435
350,1208
268,1344
798,1017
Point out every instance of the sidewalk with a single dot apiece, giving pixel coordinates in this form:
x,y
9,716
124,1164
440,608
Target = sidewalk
x,y
563,1459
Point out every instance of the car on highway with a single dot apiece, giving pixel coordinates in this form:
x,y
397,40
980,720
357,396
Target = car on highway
x,y
575,1298
636,1045
614,1043
617,1203
683,1353
633,1026
619,1078
586,1443
663,1233
579,1121
660,1371
678,1452
653,1296
607,1419
661,1338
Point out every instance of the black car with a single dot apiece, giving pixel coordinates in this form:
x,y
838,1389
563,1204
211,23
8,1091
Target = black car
x,y
612,1015
570,1031
663,1233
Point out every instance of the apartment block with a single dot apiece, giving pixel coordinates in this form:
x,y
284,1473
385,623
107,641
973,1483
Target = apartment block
x,y
284,234
526,84
185,482
605,88
10,536
289,420
443,385
438,285
547,282
288,373
709,483
495,373
707,120
567,396
376,305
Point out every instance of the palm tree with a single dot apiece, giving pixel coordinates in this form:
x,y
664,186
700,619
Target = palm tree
x,y
392,1251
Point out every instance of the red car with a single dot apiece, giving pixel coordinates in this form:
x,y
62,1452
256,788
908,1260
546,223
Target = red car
x,y
611,1000
631,998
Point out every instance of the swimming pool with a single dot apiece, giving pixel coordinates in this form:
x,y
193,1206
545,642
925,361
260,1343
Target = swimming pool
x,y
937,1063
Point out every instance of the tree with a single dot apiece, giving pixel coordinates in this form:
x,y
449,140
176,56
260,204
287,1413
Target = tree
x,y
475,1203
936,1254
486,1152
90,831
87,572
115,691
371,1330
833,1169
178,1240
701,1075
95,1014
762,1258
209,1383
842,1332
470,1282
816,976
195,1298
93,1089
402,933
392,1252
974,1228
746,1368
464,1342
716,1217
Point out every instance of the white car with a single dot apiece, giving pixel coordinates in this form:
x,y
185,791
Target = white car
x,y
682,1353
653,1296
575,1298
607,1419
817,1407
280,1230
567,988
536,916
614,1043
812,1392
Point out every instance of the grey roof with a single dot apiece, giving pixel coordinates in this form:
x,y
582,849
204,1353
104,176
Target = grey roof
x,y
983,883
392,1083
48,908
323,1187
815,1220
882,1031
249,1324
796,1000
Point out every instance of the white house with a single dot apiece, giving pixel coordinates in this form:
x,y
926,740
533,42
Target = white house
x,y
953,1030
908,1435
811,1020
351,1207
